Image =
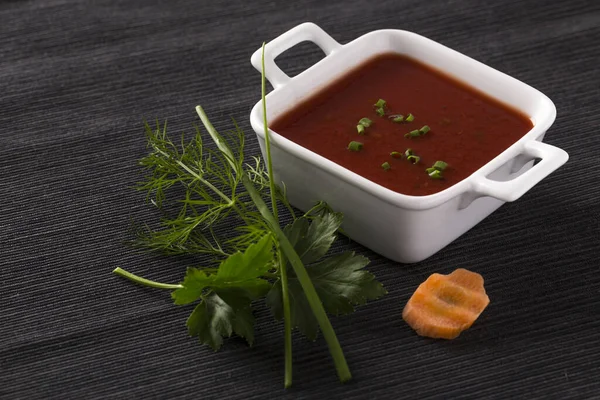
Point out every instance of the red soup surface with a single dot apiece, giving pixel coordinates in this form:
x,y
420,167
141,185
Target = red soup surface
x,y
467,127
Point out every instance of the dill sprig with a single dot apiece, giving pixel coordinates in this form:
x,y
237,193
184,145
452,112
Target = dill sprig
x,y
211,194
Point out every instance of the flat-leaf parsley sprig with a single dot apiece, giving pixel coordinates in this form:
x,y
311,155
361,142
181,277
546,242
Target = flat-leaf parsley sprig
x,y
211,187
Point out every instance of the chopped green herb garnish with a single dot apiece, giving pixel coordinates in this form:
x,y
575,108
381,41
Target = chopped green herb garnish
x,y
434,173
396,117
355,146
366,122
411,156
410,118
380,103
386,165
418,132
413,159
412,134
362,124
440,165
380,107
396,154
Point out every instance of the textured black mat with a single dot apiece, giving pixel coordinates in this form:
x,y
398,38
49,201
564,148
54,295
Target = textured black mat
x,y
78,78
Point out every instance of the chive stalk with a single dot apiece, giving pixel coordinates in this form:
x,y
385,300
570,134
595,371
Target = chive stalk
x,y
287,313
305,282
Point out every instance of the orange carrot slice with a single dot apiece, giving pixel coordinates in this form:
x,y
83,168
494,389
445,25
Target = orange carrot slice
x,y
445,305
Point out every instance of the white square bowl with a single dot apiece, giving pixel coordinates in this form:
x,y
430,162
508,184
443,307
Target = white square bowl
x,y
400,227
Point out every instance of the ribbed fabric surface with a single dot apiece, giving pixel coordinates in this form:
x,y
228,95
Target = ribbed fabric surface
x,y
78,78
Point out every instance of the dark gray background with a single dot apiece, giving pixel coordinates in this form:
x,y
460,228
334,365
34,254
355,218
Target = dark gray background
x,y
78,78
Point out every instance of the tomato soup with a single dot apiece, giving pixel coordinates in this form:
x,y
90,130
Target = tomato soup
x,y
442,119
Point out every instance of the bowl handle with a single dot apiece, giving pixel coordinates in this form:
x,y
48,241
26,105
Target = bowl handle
x,y
551,158
301,33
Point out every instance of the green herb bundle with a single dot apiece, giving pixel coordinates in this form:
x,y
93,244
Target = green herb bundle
x,y
289,267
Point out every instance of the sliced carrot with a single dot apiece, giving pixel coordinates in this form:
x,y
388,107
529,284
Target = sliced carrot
x,y
445,305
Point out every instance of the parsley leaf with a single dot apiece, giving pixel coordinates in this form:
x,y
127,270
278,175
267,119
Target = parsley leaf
x,y
226,296
252,263
239,270
340,280
218,315
312,240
